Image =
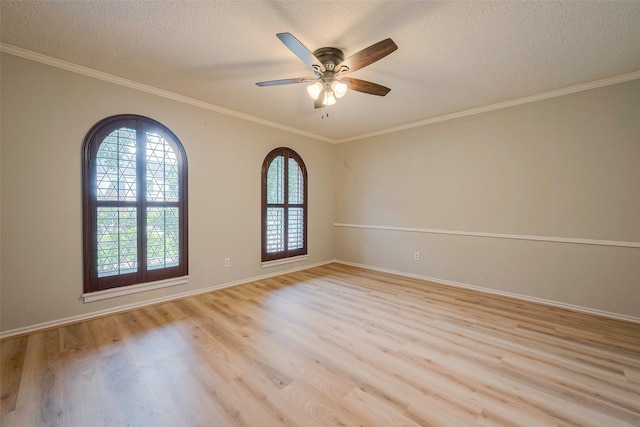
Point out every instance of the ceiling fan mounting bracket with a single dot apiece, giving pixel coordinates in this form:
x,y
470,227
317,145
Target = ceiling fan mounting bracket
x,y
329,57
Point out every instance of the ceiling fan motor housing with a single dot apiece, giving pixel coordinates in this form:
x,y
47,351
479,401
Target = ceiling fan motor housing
x,y
329,57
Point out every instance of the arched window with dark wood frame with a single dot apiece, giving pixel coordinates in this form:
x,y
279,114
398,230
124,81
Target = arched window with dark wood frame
x,y
134,191
284,205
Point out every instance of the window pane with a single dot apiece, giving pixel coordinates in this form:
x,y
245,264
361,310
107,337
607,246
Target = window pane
x,y
296,183
116,166
117,239
275,230
275,181
163,237
162,170
296,228
284,205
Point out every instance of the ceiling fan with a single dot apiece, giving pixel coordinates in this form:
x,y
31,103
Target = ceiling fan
x,y
330,69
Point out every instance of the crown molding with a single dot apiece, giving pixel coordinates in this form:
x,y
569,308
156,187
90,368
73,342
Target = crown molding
x,y
500,105
86,71
58,63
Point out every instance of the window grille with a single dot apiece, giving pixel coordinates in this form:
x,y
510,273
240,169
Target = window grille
x,y
134,192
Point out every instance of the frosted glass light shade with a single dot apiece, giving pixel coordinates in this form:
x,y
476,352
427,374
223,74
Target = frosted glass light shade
x,y
339,88
328,98
314,90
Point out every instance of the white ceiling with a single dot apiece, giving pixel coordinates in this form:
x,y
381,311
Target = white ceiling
x,y
451,57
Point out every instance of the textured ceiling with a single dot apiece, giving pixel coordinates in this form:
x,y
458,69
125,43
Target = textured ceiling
x,y
451,57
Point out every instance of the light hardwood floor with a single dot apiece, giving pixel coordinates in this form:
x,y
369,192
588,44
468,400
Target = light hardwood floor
x,y
333,345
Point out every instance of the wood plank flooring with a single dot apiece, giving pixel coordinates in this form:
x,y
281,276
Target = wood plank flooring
x,y
333,345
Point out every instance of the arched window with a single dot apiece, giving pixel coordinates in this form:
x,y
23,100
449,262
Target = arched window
x,y
134,203
284,205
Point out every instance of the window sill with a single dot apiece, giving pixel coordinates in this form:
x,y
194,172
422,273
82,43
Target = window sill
x,y
282,261
134,289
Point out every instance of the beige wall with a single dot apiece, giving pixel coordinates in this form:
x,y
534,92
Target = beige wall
x,y
567,167
46,113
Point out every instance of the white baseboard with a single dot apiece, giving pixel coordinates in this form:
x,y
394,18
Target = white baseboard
x,y
551,303
122,308
119,309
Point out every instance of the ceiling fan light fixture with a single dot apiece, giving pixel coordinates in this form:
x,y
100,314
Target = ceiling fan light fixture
x,y
328,97
339,88
315,89
329,67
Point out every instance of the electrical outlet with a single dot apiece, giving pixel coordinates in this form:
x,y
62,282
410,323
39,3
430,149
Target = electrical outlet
x,y
416,256
227,262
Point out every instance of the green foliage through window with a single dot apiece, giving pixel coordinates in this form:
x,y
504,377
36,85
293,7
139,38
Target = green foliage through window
x,y
135,199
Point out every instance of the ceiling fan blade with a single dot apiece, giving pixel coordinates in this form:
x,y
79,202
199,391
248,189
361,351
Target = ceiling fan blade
x,y
300,50
368,55
318,102
285,81
366,87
